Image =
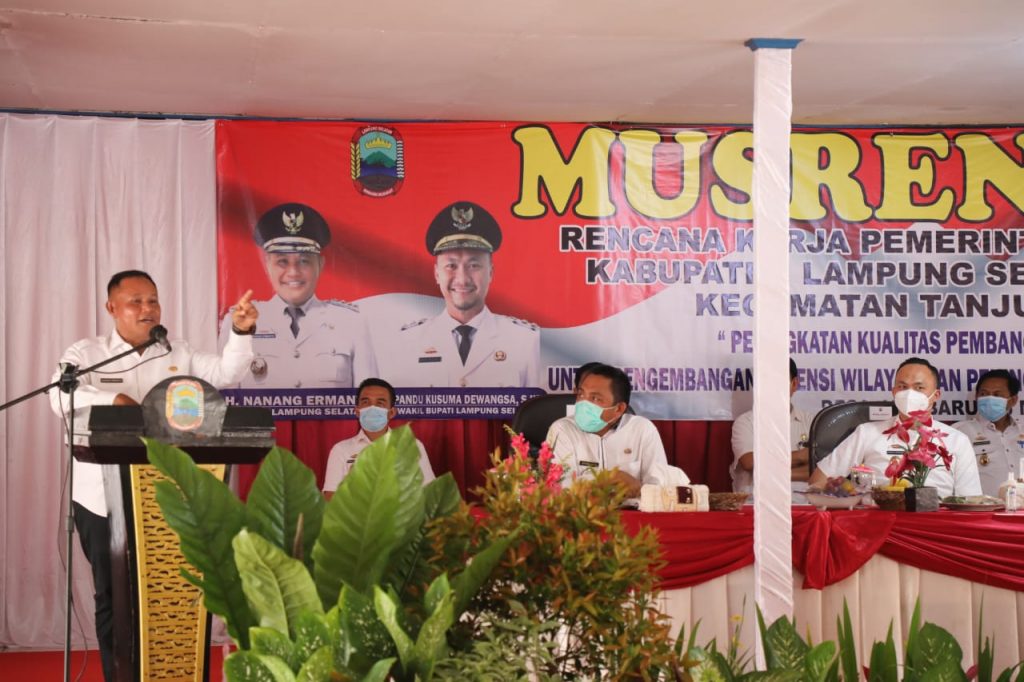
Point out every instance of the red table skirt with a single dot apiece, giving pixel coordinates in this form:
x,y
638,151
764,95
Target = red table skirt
x,y
829,546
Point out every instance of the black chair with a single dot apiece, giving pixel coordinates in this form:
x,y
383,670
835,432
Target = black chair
x,y
535,416
833,424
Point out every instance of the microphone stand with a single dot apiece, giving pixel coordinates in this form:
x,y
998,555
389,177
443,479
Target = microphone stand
x,y
67,383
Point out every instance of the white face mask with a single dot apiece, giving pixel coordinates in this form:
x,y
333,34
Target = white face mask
x,y
912,401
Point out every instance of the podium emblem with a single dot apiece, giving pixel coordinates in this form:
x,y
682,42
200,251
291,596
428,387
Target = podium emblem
x,y
185,405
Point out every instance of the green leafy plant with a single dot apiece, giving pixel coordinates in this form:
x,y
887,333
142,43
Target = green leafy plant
x,y
316,592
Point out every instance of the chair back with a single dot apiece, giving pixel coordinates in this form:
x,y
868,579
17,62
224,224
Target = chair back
x,y
535,416
833,424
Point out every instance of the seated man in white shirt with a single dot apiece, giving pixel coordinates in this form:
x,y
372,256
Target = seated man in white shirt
x,y
995,433
601,435
375,407
742,469
915,388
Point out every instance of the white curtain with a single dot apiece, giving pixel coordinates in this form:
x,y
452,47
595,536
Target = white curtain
x,y
80,199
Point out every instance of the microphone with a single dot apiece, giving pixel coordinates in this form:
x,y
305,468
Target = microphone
x,y
158,334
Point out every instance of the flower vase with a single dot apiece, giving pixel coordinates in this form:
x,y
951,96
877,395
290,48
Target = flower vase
x,y
924,499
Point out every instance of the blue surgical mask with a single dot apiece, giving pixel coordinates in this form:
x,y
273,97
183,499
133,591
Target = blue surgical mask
x,y
992,407
588,416
373,418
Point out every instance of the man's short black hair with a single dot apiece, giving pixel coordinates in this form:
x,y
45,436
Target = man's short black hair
x,y
792,369
116,280
621,390
921,361
582,371
1012,382
373,381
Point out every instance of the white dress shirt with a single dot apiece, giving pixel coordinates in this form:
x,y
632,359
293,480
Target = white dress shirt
x,y
633,446
743,442
868,445
997,453
133,376
344,454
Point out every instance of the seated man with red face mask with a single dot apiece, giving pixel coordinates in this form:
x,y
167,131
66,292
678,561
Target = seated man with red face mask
x,y
602,435
915,388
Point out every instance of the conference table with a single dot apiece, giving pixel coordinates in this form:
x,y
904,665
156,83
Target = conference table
x,y
962,565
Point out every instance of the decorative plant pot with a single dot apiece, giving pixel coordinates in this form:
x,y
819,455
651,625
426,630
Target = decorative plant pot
x,y
889,500
922,499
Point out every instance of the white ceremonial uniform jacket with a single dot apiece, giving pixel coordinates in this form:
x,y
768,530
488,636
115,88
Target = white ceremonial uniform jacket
x,y
634,447
996,452
505,352
743,442
332,349
134,380
344,454
868,445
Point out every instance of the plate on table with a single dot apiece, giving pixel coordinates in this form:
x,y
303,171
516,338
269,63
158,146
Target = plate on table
x,y
972,503
823,501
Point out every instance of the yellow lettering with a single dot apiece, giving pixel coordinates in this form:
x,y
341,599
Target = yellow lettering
x,y
736,172
986,163
900,174
642,195
811,173
543,164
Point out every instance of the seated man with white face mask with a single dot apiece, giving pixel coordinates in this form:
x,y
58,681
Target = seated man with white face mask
x,y
996,435
915,388
375,407
601,435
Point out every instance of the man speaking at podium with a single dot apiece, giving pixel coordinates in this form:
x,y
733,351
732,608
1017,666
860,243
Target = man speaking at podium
x,y
135,308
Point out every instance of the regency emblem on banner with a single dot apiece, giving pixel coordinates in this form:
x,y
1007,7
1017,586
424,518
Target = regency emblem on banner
x,y
378,160
185,405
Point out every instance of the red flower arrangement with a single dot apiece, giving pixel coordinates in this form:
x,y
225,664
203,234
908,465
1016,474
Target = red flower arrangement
x,y
919,458
544,469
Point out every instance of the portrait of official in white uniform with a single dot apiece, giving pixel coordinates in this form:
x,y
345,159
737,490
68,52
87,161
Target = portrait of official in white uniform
x,y
302,341
467,345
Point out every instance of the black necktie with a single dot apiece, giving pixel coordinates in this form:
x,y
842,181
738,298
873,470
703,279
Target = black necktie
x,y
465,340
295,314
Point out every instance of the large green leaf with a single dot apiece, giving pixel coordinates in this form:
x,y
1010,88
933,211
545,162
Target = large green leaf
x,y
360,527
408,564
283,497
245,666
784,649
277,587
271,642
438,590
379,671
467,583
944,671
821,663
847,646
410,513
431,642
311,633
361,631
883,660
317,667
937,645
206,515
387,611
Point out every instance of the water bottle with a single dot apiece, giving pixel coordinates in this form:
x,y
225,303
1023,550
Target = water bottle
x,y
1011,494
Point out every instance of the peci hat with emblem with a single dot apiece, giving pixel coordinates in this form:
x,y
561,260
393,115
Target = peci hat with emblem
x,y
292,228
463,225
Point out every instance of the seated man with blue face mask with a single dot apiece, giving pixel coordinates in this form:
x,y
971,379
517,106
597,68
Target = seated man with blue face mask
x,y
375,407
995,434
601,435
915,388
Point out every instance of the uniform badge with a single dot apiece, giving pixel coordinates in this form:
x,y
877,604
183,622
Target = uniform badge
x,y
983,460
258,367
378,161
184,405
628,451
500,356
585,463
172,368
292,221
430,351
462,218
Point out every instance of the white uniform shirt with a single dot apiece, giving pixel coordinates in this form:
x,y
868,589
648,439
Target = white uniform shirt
x,y
996,452
101,387
332,349
505,352
344,453
633,446
868,445
743,442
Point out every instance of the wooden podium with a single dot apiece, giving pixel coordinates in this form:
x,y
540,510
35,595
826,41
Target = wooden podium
x,y
161,628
